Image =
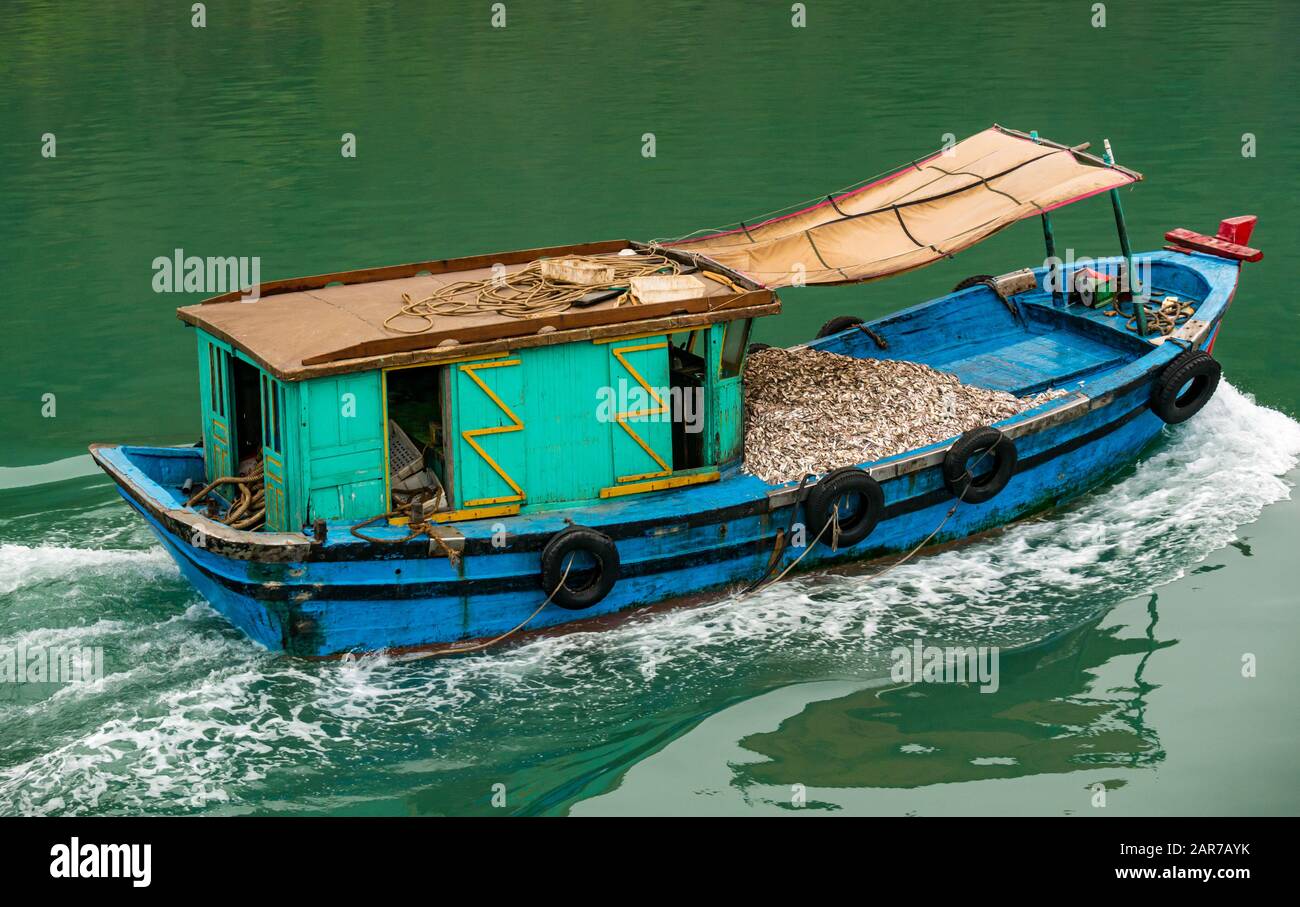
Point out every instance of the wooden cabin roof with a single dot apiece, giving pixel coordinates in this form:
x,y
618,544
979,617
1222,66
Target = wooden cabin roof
x,y
333,323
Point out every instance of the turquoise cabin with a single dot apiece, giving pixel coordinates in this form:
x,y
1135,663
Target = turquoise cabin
x,y
613,400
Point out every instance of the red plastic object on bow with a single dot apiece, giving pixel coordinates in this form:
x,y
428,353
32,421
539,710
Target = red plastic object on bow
x,y
1230,242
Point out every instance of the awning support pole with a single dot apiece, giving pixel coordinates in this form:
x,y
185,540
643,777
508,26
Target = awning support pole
x,y
1054,270
1138,308
1054,267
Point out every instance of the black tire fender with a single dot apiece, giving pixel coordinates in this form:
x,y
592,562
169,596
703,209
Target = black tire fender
x,y
1185,385
583,588
973,280
962,456
837,324
825,497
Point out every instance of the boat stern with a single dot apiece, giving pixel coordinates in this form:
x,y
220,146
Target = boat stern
x,y
231,568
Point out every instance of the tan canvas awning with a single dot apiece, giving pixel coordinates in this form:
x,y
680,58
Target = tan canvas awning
x,y
926,211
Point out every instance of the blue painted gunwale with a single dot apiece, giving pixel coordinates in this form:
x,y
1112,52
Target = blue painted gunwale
x,y
346,595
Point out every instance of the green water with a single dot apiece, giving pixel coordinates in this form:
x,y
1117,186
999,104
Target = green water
x,y
1127,615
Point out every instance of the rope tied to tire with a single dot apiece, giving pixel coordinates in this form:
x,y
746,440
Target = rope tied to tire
x,y
957,468
464,648
571,542
841,485
901,561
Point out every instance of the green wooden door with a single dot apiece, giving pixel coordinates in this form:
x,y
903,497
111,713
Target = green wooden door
x,y
217,399
569,422
726,411
342,446
275,444
643,438
490,459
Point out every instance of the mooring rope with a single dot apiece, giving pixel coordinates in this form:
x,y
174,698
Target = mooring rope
x,y
416,526
833,523
1165,316
462,648
252,494
526,293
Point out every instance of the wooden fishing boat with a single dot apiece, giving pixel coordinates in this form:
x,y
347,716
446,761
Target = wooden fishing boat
x,y
430,473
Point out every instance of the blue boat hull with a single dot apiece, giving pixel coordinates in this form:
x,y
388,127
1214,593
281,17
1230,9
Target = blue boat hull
x,y
346,595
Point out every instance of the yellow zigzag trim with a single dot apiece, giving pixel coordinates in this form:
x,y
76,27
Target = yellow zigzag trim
x,y
471,434
662,407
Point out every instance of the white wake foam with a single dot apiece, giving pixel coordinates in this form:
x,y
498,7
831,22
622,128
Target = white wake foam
x,y
200,719
23,565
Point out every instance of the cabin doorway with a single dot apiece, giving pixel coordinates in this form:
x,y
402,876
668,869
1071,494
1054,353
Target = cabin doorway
x,y
245,382
688,378
417,436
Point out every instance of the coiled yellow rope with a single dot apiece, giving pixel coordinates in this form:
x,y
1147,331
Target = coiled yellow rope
x,y
1164,317
526,293
249,511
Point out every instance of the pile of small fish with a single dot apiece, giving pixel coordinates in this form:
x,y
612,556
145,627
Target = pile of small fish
x,y
809,411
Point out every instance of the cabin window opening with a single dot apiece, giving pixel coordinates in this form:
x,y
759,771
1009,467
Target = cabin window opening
x,y
218,365
223,367
279,416
688,374
417,460
249,415
212,378
689,341
735,339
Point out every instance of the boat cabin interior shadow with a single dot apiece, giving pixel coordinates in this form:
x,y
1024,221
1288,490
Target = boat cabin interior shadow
x,y
687,373
417,432
248,415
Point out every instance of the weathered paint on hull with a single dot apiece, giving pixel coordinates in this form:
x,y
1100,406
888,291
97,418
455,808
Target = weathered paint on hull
x,y
351,596
369,605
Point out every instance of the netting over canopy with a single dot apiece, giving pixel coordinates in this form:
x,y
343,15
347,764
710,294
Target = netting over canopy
x,y
930,209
